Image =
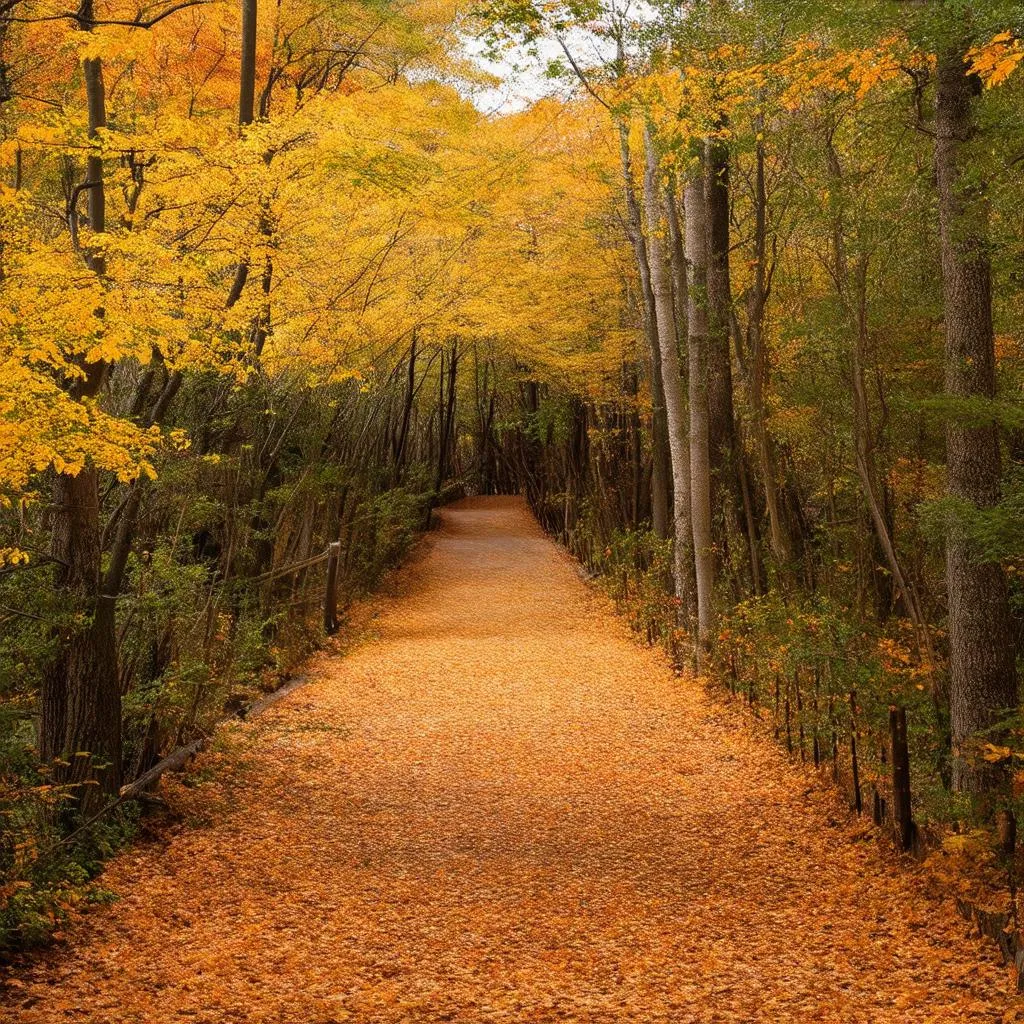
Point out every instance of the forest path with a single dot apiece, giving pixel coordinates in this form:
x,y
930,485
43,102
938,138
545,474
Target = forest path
x,y
500,808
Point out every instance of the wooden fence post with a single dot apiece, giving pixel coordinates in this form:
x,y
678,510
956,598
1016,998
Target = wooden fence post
x,y
789,731
858,805
878,800
331,595
901,810
815,747
777,709
1006,825
834,735
799,712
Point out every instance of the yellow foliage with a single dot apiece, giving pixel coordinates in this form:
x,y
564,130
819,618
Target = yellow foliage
x,y
369,211
997,59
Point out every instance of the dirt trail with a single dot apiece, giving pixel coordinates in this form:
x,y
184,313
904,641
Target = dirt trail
x,y
500,808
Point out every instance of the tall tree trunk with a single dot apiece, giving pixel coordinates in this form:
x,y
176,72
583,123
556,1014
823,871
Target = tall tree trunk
x,y
410,395
672,381
86,716
721,428
661,469
446,412
757,301
721,414
726,479
247,77
700,453
982,669
677,251
246,101
80,705
680,299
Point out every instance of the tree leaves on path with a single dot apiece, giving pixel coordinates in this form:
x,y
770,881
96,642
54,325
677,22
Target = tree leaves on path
x,y
500,808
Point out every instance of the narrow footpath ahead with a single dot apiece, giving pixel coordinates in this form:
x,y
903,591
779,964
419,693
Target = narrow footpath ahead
x,y
499,807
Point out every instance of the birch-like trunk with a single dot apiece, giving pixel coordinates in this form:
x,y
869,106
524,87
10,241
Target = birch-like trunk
x,y
700,455
680,289
675,403
660,469
721,422
680,293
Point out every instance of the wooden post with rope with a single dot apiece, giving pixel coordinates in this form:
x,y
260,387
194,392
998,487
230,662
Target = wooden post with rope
x,y
901,809
331,595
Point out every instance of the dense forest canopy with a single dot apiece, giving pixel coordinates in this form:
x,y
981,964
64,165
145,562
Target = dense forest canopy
x,y
738,308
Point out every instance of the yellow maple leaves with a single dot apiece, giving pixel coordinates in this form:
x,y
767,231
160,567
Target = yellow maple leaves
x,y
371,209
810,69
997,59
368,212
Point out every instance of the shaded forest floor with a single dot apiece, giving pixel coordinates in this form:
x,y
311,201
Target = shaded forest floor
x,y
498,807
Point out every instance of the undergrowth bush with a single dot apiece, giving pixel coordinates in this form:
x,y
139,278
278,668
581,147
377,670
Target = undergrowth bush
x,y
837,673
203,633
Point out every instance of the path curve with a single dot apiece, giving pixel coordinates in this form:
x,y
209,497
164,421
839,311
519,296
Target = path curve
x,y
501,808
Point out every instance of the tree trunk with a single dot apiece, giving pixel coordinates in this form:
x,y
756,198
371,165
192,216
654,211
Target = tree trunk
x,y
721,428
725,481
247,77
700,454
982,670
757,300
672,381
680,291
81,697
660,470
446,413
80,713
410,394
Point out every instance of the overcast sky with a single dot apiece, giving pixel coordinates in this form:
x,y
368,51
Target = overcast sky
x,y
522,72
522,77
